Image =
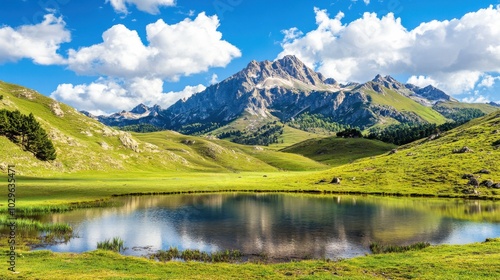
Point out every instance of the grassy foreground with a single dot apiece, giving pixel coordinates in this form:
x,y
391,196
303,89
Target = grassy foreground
x,y
473,261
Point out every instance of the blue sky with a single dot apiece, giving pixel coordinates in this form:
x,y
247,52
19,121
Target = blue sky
x,y
105,56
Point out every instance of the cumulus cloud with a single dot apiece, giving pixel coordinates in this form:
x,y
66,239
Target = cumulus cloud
x,y
39,42
185,48
476,99
452,53
422,81
148,6
113,95
488,81
214,79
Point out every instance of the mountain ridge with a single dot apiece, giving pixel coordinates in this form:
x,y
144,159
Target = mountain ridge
x,y
286,88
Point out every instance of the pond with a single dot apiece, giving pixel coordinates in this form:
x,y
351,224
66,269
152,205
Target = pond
x,y
278,225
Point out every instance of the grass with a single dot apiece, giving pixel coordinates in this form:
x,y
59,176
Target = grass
x,y
115,244
24,224
402,103
336,151
477,261
384,249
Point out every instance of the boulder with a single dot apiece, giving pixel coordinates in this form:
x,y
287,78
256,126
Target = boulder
x,y
433,137
463,150
393,151
467,176
487,183
473,182
483,171
496,186
335,180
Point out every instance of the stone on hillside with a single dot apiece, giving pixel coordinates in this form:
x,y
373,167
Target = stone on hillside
x,y
487,183
336,180
129,142
410,154
483,171
463,150
433,137
105,146
188,142
496,186
467,176
473,182
257,148
393,151
56,109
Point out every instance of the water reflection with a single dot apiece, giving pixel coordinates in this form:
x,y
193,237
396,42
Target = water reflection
x,y
280,226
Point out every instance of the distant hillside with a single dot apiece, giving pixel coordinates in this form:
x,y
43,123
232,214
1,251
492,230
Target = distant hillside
x,y
437,165
84,144
336,151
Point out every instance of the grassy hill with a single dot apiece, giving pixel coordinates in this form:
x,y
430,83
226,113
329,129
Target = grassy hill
x,y
336,151
401,103
429,166
83,144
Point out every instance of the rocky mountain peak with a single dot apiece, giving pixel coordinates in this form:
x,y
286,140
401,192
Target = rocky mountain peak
x,y
280,72
140,109
434,94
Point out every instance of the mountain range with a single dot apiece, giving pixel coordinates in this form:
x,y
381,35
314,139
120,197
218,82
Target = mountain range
x,y
287,88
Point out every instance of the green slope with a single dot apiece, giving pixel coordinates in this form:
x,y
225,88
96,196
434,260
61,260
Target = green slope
x,y
401,103
336,151
430,166
84,144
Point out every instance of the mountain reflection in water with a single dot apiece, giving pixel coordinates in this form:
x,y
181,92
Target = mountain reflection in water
x,y
279,225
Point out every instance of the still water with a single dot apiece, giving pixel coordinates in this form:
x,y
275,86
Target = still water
x,y
279,225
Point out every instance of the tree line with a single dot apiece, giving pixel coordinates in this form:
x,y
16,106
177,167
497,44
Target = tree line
x,y
26,132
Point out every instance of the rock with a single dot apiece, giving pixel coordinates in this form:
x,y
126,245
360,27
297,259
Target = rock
x,y
188,142
335,180
463,150
410,154
433,137
129,142
257,148
495,131
105,146
483,171
473,182
496,186
467,176
56,109
393,151
487,183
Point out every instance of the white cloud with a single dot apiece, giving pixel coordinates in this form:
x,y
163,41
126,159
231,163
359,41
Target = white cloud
x,y
453,54
39,42
214,79
422,81
185,48
476,99
149,6
488,81
366,2
113,95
